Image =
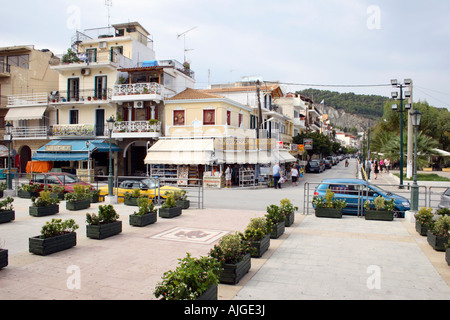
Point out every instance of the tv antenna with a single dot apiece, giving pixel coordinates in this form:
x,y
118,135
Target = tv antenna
x,y
184,36
108,4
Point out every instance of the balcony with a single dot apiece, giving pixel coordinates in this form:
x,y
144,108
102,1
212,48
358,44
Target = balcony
x,y
30,133
81,96
78,130
137,129
103,59
28,99
299,123
137,92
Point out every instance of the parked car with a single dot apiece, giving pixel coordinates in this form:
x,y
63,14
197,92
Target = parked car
x,y
328,164
356,191
147,186
314,166
66,180
445,199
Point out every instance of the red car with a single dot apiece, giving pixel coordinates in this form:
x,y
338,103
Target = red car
x,y
66,180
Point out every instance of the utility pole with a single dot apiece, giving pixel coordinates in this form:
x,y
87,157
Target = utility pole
x,y
410,156
258,94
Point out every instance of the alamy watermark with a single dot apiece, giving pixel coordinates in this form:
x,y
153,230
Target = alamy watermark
x,y
374,17
73,22
374,280
74,280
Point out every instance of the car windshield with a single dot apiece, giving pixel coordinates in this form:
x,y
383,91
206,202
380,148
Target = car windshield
x,y
68,178
379,190
150,183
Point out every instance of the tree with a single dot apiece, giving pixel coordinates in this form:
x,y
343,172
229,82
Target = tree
x,y
322,144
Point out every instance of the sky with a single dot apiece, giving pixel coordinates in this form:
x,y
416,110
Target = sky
x,y
337,45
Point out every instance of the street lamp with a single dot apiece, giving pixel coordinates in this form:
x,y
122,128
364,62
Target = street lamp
x,y
8,138
415,119
110,123
395,95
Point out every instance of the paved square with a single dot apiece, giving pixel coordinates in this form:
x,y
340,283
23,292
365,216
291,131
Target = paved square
x,y
190,235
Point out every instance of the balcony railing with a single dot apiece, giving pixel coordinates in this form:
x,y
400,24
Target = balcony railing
x,y
21,133
137,126
85,95
137,88
28,99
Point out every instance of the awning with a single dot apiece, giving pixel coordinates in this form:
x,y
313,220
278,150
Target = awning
x,y
244,157
3,151
71,150
25,113
283,156
181,152
442,153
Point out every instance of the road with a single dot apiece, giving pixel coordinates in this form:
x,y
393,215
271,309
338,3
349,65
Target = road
x,y
260,198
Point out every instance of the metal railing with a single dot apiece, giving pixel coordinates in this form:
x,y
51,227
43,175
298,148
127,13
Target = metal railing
x,y
137,88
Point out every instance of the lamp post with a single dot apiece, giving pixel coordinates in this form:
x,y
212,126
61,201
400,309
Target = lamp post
x,y
8,138
110,123
401,110
415,119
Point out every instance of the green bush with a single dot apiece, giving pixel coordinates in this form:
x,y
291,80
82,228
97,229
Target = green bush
x,y
170,202
58,227
380,204
231,249
257,229
274,215
441,227
190,279
424,216
106,214
145,206
329,201
44,199
7,204
80,192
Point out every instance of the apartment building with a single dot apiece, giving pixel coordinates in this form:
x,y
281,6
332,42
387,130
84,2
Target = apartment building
x,y
26,78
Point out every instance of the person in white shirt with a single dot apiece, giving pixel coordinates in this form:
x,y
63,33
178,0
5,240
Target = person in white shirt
x,y
294,175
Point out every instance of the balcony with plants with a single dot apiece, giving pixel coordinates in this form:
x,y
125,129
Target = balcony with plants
x,y
82,96
137,129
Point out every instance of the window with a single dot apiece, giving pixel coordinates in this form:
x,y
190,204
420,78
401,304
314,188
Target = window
x,y
73,116
73,88
253,122
91,55
178,117
21,61
240,119
100,87
228,117
209,117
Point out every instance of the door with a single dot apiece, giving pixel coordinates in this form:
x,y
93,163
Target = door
x,y
101,88
99,122
73,89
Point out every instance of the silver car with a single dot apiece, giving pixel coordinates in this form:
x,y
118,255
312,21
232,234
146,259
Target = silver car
x,y
445,199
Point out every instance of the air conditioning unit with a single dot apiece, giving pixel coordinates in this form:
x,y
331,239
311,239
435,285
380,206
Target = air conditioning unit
x,y
139,104
102,44
85,72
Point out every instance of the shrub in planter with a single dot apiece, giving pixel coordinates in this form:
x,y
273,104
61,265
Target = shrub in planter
x,y
146,214
94,195
28,191
380,209
3,187
191,280
181,199
79,199
7,212
56,236
3,256
130,198
447,252
169,208
44,205
288,210
103,225
276,219
328,207
233,253
443,212
424,218
438,233
57,191
257,234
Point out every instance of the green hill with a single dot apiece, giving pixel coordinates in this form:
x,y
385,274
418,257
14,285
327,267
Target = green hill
x,y
371,106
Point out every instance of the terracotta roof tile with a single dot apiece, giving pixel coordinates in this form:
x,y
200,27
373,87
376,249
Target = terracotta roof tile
x,y
193,94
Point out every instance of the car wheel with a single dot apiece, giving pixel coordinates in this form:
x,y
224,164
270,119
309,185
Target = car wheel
x,y
398,213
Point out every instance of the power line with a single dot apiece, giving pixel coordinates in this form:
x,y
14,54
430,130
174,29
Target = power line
x,y
332,85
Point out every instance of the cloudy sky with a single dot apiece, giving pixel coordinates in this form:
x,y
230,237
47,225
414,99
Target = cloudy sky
x,y
324,43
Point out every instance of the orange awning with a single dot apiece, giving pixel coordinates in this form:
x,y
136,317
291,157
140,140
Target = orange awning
x,y
39,166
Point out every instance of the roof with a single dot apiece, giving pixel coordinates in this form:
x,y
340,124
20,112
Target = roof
x,y
129,24
193,94
273,88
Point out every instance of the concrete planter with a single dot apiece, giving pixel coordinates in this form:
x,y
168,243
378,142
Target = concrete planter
x,y
233,273
328,213
143,220
169,212
7,216
436,242
78,205
277,230
102,231
260,246
379,215
290,220
44,211
47,246
3,258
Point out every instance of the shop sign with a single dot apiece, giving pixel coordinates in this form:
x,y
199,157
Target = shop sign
x,y
212,181
55,148
308,144
301,147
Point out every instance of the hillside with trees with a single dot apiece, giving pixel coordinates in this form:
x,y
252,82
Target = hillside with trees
x,y
369,106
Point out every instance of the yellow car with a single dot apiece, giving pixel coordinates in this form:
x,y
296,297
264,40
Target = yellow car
x,y
148,187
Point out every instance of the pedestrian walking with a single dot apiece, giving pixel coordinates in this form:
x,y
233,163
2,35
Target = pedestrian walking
x,y
228,177
381,165
387,163
376,168
294,175
276,173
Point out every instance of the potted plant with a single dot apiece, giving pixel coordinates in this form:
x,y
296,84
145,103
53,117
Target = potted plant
x,y
56,235
383,211
95,196
288,210
328,207
3,187
193,279
7,212
233,253
27,191
103,225
443,212
424,218
130,198
3,256
276,219
79,199
44,205
146,214
438,233
257,233
447,252
57,191
169,208
181,199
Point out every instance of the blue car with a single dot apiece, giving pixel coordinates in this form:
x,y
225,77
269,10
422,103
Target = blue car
x,y
355,192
